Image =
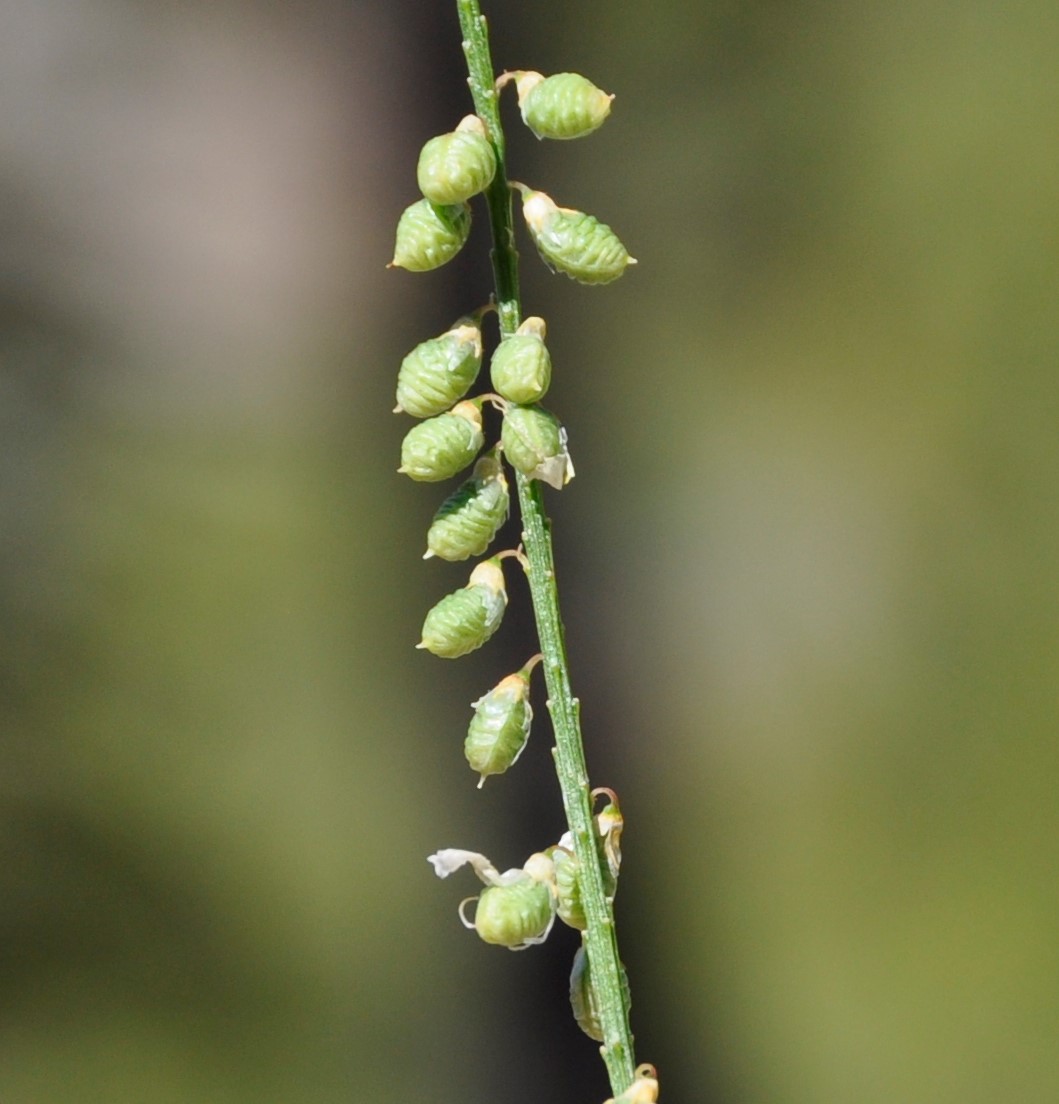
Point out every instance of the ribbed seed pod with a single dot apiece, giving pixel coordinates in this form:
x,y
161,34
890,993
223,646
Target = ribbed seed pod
x,y
571,907
584,1001
468,519
441,447
430,234
521,367
535,444
514,916
564,105
467,618
439,372
499,728
455,166
572,242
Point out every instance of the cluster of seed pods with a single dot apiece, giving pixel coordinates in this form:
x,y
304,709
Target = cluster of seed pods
x,y
517,908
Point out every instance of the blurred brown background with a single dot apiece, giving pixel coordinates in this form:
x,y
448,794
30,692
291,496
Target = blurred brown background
x,y
808,563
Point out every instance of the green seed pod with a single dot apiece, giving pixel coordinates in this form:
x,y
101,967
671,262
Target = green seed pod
x,y
467,618
564,105
468,519
455,166
500,727
515,916
571,907
521,368
535,444
429,235
572,242
583,997
441,447
439,372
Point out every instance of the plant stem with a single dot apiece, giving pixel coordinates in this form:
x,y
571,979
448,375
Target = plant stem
x,y
601,942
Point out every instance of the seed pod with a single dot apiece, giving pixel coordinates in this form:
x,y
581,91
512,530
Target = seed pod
x,y
521,367
499,728
535,444
429,235
571,907
564,105
438,372
584,999
572,242
441,447
515,916
467,618
455,166
468,519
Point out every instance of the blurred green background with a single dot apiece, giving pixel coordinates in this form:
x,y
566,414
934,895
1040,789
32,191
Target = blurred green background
x,y
808,562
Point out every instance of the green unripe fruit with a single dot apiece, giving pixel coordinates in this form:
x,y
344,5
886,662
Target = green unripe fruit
x,y
564,105
455,166
468,519
441,447
535,444
500,727
514,916
572,242
429,235
584,1000
439,372
467,618
568,888
521,368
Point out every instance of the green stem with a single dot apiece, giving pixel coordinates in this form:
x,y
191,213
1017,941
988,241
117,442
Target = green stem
x,y
601,941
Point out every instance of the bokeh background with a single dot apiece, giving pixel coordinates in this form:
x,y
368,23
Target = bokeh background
x,y
808,562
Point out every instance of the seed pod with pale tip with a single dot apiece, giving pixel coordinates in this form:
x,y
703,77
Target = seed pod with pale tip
x,y
521,367
534,442
570,905
430,234
644,1090
443,446
517,909
572,242
564,105
467,618
439,372
500,726
468,519
455,166
584,1000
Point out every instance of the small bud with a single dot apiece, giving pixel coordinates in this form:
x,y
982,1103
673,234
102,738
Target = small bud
x,y
467,618
429,235
535,444
644,1090
455,166
500,726
443,446
572,242
521,367
584,999
468,519
439,372
564,105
